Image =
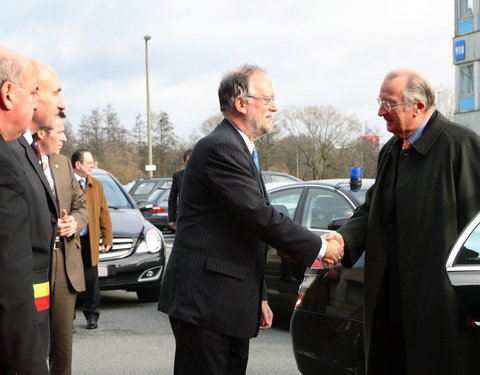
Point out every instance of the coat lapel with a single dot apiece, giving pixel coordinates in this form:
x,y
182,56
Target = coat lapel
x,y
253,168
38,169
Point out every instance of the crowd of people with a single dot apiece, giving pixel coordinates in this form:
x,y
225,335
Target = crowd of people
x,y
214,289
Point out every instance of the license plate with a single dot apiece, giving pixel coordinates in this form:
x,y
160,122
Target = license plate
x,y
102,271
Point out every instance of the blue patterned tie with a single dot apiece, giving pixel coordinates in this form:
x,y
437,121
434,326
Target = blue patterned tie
x,y
255,159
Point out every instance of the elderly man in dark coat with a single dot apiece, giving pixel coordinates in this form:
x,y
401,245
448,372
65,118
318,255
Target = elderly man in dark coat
x,y
426,191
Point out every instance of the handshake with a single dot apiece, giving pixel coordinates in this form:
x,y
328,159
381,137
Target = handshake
x,y
335,246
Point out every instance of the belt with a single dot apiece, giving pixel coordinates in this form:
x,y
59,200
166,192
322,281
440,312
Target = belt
x,y
58,243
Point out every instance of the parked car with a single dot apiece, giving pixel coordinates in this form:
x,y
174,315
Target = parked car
x,y
314,205
269,177
137,260
143,188
157,211
327,324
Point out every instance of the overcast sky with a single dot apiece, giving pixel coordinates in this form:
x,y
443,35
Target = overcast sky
x,y
315,51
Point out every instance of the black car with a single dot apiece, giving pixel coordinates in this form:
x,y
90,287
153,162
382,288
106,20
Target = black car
x,y
143,188
137,259
314,205
155,209
327,324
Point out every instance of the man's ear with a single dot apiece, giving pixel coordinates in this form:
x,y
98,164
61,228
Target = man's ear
x,y
40,135
77,165
240,104
6,95
419,107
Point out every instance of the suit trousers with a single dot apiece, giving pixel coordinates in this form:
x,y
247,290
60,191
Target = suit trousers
x,y
91,296
63,298
200,351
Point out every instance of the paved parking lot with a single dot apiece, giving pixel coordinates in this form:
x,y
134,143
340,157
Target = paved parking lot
x,y
134,338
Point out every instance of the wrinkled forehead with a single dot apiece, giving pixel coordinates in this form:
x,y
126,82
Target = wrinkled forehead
x,y
393,88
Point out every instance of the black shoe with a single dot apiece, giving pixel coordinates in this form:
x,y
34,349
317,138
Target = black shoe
x,y
92,324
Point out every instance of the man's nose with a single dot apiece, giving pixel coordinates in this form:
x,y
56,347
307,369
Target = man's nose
x,y
61,104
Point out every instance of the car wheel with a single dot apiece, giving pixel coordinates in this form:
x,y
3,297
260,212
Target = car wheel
x,y
148,294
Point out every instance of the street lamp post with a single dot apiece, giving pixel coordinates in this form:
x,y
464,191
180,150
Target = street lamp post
x,y
149,117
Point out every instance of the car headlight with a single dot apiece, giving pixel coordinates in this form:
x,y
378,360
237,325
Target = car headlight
x,y
152,242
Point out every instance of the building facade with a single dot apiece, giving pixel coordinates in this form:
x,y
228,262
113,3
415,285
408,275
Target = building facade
x,y
466,57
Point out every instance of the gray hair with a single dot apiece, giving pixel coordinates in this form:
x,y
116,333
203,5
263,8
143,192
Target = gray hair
x,y
10,70
418,87
233,85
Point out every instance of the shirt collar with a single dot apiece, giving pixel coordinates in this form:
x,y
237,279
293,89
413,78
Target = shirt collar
x,y
28,136
418,132
248,142
80,178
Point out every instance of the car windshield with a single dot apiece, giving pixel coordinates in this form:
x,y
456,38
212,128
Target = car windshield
x,y
360,194
147,187
115,196
156,194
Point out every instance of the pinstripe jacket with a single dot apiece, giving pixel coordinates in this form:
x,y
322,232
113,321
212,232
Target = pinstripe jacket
x,y
215,274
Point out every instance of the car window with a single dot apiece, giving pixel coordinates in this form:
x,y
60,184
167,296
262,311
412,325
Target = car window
x,y
322,206
163,196
115,196
143,188
470,251
155,195
286,201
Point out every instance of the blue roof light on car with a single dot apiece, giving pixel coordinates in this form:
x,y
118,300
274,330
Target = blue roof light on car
x,y
355,178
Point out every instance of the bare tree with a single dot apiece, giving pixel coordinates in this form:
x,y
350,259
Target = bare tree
x,y
90,133
210,123
445,101
164,140
71,144
322,133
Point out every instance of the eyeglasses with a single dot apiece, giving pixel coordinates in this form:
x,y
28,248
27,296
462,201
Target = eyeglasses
x,y
267,100
387,105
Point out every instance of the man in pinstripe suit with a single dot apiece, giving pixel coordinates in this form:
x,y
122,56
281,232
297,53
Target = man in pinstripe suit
x,y
213,288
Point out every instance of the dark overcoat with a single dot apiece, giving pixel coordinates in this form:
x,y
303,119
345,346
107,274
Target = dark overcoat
x,y
436,194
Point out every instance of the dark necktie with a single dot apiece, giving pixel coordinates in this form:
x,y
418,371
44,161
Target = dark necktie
x,y
37,151
255,159
83,186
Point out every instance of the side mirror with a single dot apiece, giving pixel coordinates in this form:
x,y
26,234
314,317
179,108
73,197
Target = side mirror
x,y
334,224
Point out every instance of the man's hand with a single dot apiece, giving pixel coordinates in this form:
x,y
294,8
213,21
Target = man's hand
x,y
173,225
67,225
335,236
266,316
105,249
335,244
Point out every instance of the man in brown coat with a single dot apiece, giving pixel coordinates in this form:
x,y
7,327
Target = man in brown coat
x,y
66,275
99,222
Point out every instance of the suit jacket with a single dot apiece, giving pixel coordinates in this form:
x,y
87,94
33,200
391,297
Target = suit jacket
x,y
70,197
42,205
99,220
435,187
177,178
215,274
21,346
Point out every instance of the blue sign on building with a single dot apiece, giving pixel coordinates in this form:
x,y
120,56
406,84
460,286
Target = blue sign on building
x,y
459,50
